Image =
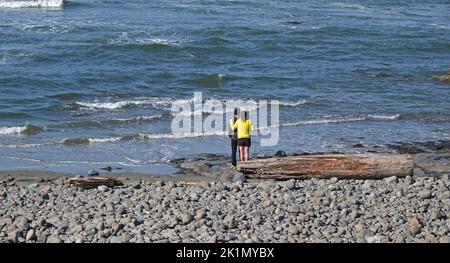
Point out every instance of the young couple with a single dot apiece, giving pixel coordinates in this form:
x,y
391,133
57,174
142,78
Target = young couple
x,y
241,127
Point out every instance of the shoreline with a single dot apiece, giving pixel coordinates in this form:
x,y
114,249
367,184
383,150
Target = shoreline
x,y
206,201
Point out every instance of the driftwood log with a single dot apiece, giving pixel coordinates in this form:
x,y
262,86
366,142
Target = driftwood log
x,y
94,182
342,166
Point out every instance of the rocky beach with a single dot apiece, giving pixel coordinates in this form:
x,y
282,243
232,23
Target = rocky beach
x,y
208,202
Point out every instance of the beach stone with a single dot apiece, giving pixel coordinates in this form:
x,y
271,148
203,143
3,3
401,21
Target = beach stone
x,y
444,239
367,184
333,180
3,194
239,177
289,184
137,185
294,209
34,185
424,194
293,230
103,188
359,228
54,239
119,239
200,215
416,229
436,214
14,235
280,154
31,235
187,218
92,173
390,180
376,239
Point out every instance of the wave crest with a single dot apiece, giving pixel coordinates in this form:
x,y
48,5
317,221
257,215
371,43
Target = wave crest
x,y
27,130
343,119
32,3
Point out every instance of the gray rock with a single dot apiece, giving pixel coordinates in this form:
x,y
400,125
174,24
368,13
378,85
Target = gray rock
x,y
92,173
425,194
31,235
136,185
239,177
280,154
444,239
187,218
367,184
390,180
436,215
103,188
35,185
333,180
293,230
294,209
289,184
119,239
54,239
416,229
200,215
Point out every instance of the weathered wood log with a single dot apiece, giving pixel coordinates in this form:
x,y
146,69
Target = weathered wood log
x,y
94,182
342,166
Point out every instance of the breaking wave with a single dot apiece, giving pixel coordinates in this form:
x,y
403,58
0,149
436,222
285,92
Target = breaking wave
x,y
144,136
27,130
342,119
31,3
352,6
109,122
85,140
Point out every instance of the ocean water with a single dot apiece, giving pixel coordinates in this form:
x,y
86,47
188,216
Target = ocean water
x,y
89,83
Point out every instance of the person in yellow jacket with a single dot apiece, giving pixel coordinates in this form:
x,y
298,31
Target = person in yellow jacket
x,y
244,127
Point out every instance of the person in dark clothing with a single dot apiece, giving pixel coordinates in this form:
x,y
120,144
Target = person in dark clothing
x,y
234,138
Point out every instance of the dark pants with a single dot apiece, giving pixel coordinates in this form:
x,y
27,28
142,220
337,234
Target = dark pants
x,y
233,151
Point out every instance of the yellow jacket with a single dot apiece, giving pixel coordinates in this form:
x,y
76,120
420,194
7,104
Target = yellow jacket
x,y
243,128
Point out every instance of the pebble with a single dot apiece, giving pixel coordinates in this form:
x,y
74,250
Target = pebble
x,y
239,177
31,235
103,188
255,211
54,239
390,180
424,194
92,173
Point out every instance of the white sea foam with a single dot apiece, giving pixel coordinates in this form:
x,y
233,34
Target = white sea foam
x,y
292,103
31,3
139,118
126,39
155,102
323,121
384,117
109,105
352,6
343,119
145,136
30,145
13,130
104,140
